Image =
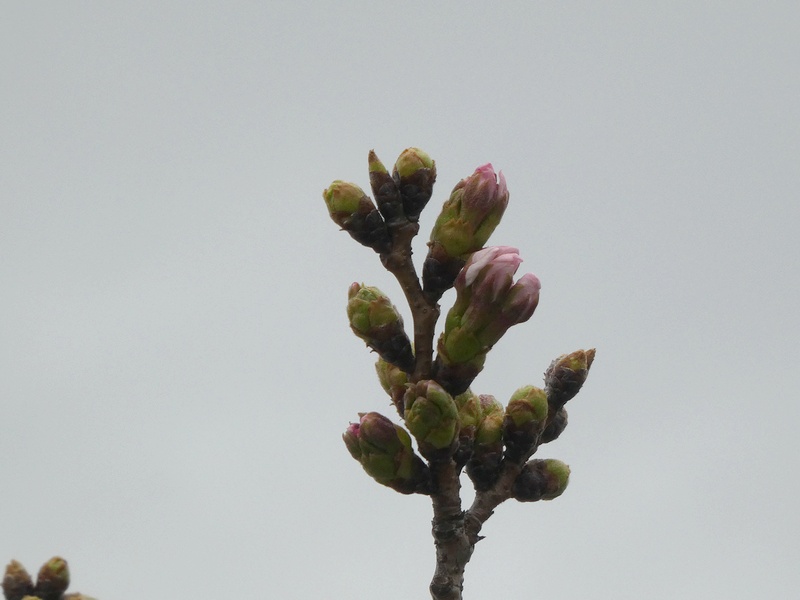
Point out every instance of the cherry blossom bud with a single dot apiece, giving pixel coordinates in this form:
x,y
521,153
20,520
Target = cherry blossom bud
x,y
376,320
566,375
17,583
541,480
525,418
483,467
384,451
469,417
53,579
414,173
488,303
353,211
386,192
432,418
468,218
393,380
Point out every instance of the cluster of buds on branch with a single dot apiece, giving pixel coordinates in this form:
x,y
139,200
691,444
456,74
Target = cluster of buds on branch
x,y
51,582
454,428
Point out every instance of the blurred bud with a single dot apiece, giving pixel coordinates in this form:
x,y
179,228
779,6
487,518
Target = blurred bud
x,y
432,418
488,303
353,211
53,579
555,426
17,583
483,467
468,218
393,381
384,451
414,174
525,418
541,480
565,376
386,192
375,320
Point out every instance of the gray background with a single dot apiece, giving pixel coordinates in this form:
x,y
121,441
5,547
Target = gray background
x,y
175,363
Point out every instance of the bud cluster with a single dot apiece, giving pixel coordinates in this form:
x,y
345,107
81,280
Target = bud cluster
x,y
452,428
400,199
51,582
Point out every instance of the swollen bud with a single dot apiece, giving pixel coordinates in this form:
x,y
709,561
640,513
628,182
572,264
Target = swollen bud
x,y
17,583
488,302
432,418
468,218
393,380
384,451
386,192
565,376
53,579
525,418
375,320
469,417
483,467
414,174
353,211
541,480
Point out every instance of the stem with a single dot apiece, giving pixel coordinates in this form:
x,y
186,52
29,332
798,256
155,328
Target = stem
x,y
424,312
453,547
486,501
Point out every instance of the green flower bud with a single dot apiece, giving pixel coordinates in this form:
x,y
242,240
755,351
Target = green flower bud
x,y
525,418
393,380
468,218
483,467
470,413
541,480
353,211
53,579
375,320
17,583
386,192
385,452
566,375
432,418
469,417
414,174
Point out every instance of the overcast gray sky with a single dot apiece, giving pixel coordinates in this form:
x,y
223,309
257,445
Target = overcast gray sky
x,y
176,368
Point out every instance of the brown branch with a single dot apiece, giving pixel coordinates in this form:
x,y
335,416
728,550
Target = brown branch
x,y
453,547
424,312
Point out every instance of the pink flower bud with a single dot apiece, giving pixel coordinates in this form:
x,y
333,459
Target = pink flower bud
x,y
484,193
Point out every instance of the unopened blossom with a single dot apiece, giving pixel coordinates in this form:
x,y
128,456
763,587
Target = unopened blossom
x,y
377,321
488,302
468,218
353,211
385,452
541,480
566,375
414,173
